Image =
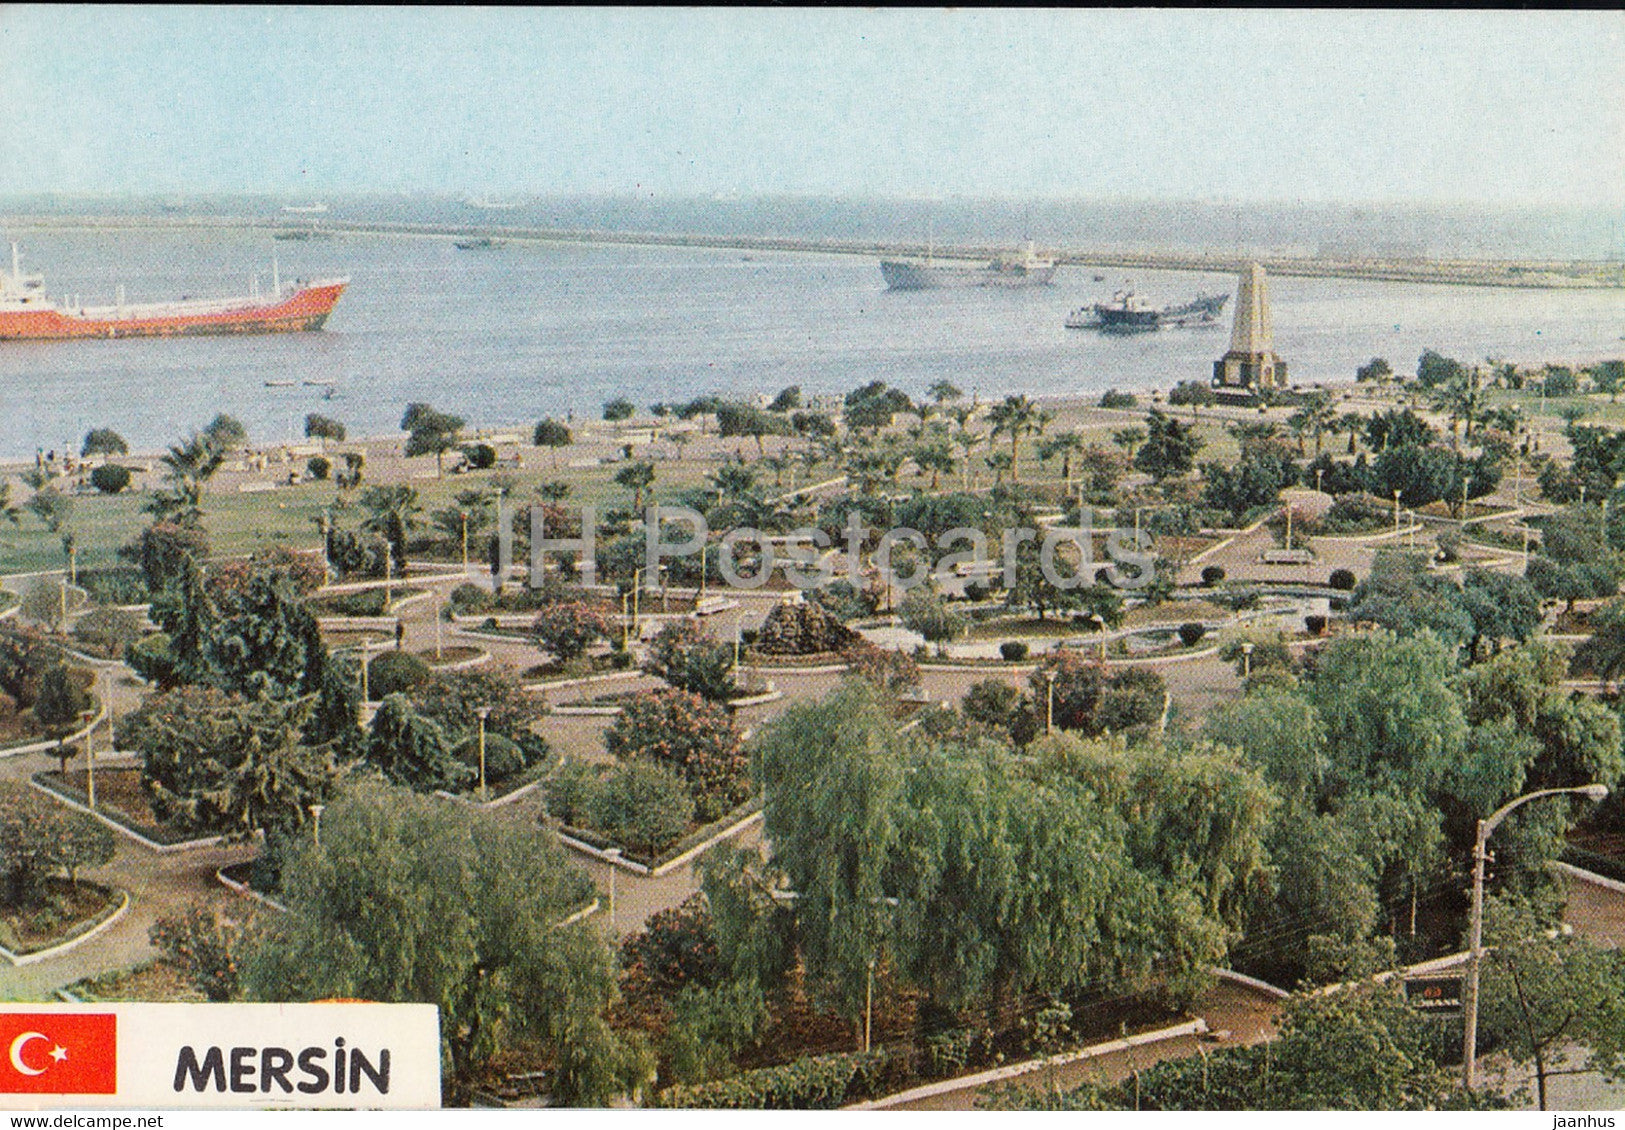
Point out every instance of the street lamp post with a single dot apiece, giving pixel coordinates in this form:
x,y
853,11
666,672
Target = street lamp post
x,y
1469,1039
316,811
1396,516
1099,622
1049,708
1247,660
613,856
439,613
484,712
868,1005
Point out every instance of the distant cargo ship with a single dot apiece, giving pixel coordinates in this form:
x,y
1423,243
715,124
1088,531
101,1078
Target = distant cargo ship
x,y
484,243
1026,269
1128,312
26,314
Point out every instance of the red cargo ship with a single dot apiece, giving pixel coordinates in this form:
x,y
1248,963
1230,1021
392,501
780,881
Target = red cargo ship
x,y
26,314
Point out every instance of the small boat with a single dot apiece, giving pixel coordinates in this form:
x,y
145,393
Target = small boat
x,y
317,383
484,243
279,384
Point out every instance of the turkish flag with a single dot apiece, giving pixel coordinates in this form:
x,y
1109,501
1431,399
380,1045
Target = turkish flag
x,y
58,1053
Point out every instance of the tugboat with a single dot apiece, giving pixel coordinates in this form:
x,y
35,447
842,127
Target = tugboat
x,y
1127,312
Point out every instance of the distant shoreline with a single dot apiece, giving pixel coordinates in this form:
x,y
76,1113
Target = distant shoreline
x,y
1525,274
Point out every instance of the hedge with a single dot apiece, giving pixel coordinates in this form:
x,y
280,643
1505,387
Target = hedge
x,y
820,1083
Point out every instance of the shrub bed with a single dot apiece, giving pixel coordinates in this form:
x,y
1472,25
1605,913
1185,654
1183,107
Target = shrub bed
x,y
151,981
119,797
70,909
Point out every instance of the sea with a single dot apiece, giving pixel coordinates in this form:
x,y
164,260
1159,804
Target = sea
x,y
508,335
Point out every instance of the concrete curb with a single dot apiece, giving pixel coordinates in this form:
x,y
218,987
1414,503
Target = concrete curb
x,y
63,947
245,891
670,865
127,832
1195,1027
48,746
1275,992
1585,876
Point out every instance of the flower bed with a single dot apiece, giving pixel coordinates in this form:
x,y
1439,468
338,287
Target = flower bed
x,y
690,840
448,655
71,909
119,797
151,981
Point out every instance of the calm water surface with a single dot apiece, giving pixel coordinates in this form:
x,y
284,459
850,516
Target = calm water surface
x,y
505,336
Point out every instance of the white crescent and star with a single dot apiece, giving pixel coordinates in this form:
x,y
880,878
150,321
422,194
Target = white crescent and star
x,y
58,1052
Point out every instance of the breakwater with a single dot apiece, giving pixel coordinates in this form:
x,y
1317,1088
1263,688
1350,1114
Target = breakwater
x,y
1528,274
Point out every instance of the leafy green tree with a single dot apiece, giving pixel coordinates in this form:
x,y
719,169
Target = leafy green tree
x,y
110,478
1554,1000
51,507
323,428
1501,607
926,612
206,946
392,514
1255,480
568,627
218,763
1433,369
551,433
430,433
1604,651
619,409
40,839
103,441
412,899
1397,427
1196,394
61,698
1390,713
832,820
412,750
1575,561
1376,370
644,806
694,738
1279,731
226,432
690,660
1170,447
748,420
1401,595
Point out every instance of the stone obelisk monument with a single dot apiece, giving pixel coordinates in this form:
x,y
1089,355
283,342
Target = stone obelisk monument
x,y
1251,361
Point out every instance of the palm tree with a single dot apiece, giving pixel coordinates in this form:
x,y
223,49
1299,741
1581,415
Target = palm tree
x,y
1352,423
392,513
637,478
1128,439
1066,445
1015,416
935,457
1000,462
732,480
968,441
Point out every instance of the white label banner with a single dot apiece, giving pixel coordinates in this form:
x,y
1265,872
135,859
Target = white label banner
x,y
338,1055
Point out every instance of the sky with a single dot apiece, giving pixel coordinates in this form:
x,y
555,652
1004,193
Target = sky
x,y
1434,107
